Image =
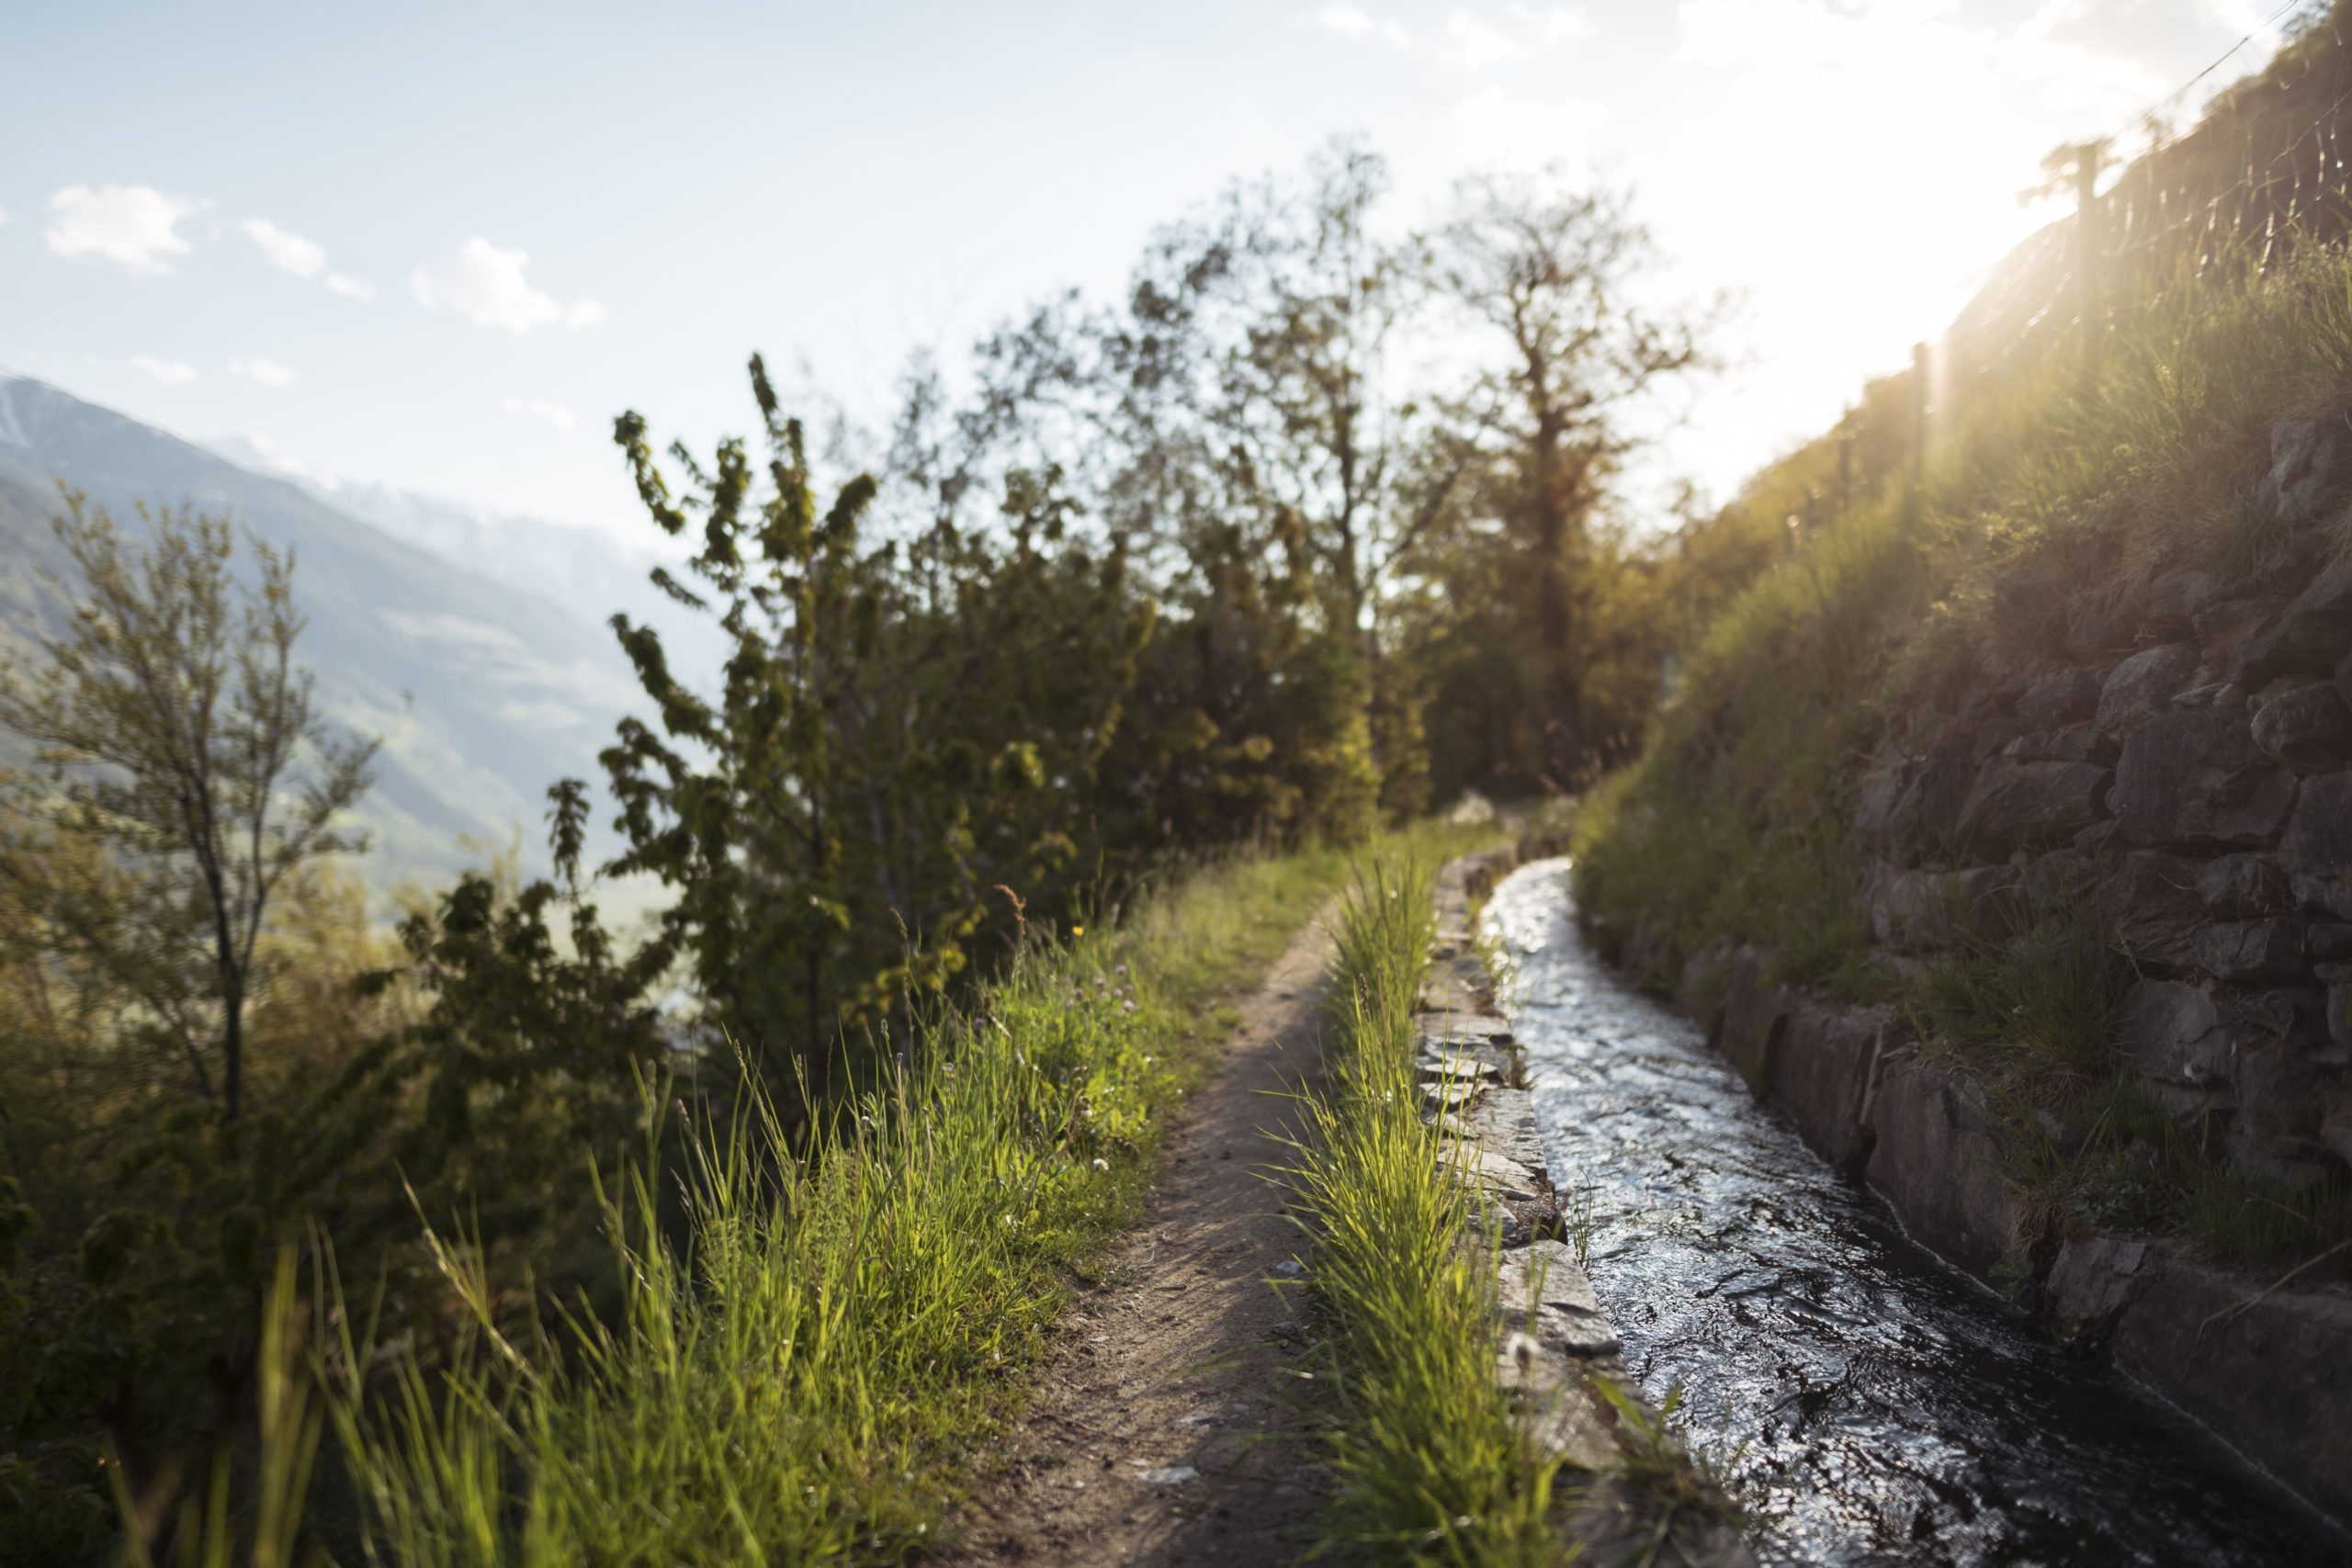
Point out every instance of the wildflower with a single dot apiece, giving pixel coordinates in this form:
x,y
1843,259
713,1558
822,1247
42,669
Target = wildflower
x,y
1126,1007
1078,931
1122,971
1101,1165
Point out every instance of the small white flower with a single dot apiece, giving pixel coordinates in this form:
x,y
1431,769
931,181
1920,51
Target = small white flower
x,y
1101,1165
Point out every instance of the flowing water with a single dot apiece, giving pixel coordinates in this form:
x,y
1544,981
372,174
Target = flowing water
x,y
1892,1410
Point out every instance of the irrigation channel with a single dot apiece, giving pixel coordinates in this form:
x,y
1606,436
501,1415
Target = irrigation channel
x,y
1893,1410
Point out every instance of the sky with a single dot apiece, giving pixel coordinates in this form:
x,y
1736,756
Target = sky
x,y
440,246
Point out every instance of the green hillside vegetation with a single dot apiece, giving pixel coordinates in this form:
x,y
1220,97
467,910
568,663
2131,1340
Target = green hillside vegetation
x,y
2132,438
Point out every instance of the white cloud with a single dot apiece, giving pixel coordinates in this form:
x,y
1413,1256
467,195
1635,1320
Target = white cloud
x,y
269,372
486,285
4,215
305,258
171,372
1552,25
287,252
133,226
1353,23
541,408
1472,45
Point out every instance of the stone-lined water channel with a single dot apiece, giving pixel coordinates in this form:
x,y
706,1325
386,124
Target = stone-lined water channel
x,y
1893,1411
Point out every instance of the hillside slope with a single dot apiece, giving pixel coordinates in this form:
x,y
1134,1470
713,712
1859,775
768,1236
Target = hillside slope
x,y
482,695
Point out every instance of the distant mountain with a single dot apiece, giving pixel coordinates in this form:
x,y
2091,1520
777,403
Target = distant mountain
x,y
573,564
482,692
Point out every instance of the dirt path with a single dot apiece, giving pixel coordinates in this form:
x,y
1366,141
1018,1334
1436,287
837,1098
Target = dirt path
x,y
1165,1428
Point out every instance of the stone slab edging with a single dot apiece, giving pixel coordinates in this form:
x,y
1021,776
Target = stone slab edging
x,y
2265,1363
1556,1338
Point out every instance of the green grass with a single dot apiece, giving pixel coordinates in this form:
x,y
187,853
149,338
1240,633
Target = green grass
x,y
799,1369
2046,490
1433,1466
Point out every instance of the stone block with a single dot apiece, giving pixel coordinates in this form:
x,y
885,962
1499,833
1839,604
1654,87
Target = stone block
x,y
2268,1368
1823,1075
2060,698
2226,627
2173,1033
2275,1136
1754,1017
2144,684
1504,1122
2195,776
2081,743
2317,850
2310,466
1924,910
1938,1159
1543,1292
2336,1129
2312,632
2093,1281
2273,948
2244,886
2307,728
2029,806
2149,906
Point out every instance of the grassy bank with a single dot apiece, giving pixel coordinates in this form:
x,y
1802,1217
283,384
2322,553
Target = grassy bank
x,y
802,1375
1432,1465
2062,487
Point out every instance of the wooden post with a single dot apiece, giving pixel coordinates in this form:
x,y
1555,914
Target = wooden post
x,y
1918,414
2087,246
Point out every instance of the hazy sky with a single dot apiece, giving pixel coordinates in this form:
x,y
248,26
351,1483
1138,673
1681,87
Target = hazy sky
x,y
441,245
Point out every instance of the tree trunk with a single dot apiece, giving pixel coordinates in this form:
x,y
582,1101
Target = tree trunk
x,y
1555,613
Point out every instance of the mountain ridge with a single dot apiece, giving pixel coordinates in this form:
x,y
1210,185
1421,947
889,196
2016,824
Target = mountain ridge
x,y
482,692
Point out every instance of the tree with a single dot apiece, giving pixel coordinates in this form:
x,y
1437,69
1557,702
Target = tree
x,y
1547,268
175,733
903,726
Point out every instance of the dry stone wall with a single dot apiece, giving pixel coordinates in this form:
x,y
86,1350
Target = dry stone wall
x,y
2186,781
2182,781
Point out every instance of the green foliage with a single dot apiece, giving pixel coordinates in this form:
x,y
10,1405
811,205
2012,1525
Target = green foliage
x,y
898,733
2055,483
2049,991
1432,1465
797,1378
175,733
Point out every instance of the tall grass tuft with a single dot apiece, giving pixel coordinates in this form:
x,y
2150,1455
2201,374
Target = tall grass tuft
x,y
807,1338
1431,1464
788,1383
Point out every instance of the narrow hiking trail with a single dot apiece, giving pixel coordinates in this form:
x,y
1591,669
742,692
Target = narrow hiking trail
x,y
1166,1425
